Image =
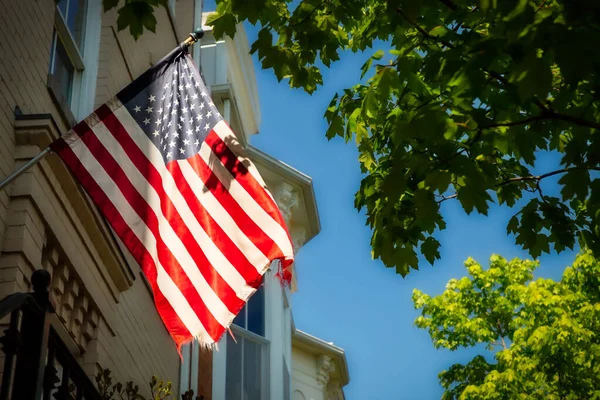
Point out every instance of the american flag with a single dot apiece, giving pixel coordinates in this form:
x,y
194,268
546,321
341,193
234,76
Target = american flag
x,y
173,182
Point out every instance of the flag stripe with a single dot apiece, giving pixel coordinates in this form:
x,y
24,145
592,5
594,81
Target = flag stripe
x,y
200,174
136,173
238,248
218,296
114,181
183,318
246,191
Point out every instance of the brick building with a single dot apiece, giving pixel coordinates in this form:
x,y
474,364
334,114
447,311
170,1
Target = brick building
x,y
58,62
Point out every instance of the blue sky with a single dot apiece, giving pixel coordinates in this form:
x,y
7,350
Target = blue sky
x,y
343,295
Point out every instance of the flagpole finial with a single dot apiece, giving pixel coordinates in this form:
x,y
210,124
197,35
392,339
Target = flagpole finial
x,y
194,37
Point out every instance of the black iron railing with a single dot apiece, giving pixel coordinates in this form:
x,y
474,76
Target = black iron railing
x,y
38,365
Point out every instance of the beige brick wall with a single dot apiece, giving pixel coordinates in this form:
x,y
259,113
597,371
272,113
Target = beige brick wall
x,y
46,220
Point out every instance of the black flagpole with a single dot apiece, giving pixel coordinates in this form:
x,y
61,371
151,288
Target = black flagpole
x,y
193,38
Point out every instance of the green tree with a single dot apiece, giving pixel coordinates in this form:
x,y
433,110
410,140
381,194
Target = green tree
x,y
544,336
466,96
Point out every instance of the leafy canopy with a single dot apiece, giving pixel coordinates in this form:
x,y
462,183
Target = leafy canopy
x,y
467,95
544,335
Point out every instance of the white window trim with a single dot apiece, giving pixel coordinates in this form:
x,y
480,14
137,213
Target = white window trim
x,y
276,320
83,91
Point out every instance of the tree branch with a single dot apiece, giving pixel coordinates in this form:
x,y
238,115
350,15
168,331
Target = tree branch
x,y
306,18
549,115
423,31
538,178
444,198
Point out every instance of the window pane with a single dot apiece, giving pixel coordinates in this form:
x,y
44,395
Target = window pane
x,y
62,6
233,375
240,319
62,72
253,370
256,312
76,21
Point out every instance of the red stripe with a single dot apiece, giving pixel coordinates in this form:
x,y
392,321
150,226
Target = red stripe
x,y
174,325
147,215
262,241
229,249
244,177
215,281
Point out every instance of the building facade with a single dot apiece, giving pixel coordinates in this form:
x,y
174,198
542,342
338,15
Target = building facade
x,y
58,62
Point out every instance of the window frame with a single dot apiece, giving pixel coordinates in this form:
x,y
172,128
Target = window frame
x,y
85,63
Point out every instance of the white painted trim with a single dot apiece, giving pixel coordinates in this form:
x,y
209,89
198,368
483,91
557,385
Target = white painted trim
x,y
219,370
194,368
184,371
227,110
84,91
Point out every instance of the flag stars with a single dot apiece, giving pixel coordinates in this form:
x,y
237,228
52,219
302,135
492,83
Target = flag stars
x,y
202,106
190,132
158,122
155,133
174,112
208,114
149,109
199,117
182,150
197,142
179,126
151,98
186,142
170,155
137,108
206,127
181,87
172,143
188,85
146,121
198,128
194,96
160,110
169,124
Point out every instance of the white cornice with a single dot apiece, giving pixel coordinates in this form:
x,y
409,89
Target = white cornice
x,y
308,214
316,346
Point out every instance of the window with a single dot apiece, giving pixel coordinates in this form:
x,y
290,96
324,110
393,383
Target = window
x,y
254,365
74,56
246,376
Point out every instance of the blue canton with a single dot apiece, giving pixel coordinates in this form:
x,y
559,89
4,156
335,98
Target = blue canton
x,y
175,111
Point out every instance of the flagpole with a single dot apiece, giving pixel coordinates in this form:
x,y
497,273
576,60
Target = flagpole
x,y
193,38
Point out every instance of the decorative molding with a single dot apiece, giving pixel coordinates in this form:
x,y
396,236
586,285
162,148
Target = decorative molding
x,y
287,199
325,367
39,131
74,305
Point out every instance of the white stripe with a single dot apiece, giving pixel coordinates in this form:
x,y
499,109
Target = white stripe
x,y
212,252
246,201
229,138
222,217
214,304
166,285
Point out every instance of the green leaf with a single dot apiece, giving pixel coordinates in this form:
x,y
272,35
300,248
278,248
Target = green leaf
x,y
575,183
430,249
109,4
